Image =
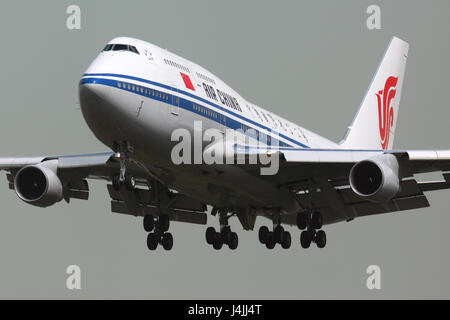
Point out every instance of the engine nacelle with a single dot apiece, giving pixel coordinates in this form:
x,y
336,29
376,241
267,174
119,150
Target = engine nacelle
x,y
376,179
39,185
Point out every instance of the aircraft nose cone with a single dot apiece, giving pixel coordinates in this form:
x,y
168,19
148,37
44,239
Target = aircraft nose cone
x,y
90,98
96,108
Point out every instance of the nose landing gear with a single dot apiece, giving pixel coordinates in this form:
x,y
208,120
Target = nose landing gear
x,y
126,184
124,150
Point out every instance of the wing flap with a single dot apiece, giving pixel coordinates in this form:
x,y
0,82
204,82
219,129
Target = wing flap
x,y
397,204
145,197
410,197
174,214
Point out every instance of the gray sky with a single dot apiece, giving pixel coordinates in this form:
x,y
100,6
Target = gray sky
x,y
309,61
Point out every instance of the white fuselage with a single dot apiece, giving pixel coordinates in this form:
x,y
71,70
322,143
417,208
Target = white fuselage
x,y
143,97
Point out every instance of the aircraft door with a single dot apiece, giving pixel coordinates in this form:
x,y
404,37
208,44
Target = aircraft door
x,y
223,123
175,101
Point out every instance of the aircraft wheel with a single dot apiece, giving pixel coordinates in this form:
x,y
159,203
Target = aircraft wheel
x,y
217,243
278,233
302,220
167,241
305,239
317,220
152,241
209,235
321,239
270,241
225,233
286,241
163,222
233,240
262,234
149,223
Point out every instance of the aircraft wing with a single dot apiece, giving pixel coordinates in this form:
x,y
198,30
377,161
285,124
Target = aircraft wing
x,y
74,171
320,178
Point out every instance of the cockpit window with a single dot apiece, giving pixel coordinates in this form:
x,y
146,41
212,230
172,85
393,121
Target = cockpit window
x,y
120,47
133,49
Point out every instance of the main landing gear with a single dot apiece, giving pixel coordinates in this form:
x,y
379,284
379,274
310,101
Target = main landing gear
x,y
312,222
159,234
225,236
158,228
271,238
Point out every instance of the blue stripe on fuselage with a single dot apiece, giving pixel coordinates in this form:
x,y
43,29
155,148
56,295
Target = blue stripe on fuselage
x,y
188,105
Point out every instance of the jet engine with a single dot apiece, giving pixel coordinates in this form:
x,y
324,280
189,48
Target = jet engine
x,y
39,185
376,179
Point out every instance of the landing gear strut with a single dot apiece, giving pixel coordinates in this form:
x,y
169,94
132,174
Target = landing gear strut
x,y
128,182
124,149
312,222
224,236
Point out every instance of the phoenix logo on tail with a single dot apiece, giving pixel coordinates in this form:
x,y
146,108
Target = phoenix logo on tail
x,y
385,111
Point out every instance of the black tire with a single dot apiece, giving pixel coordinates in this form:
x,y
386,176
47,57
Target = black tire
x,y
234,241
149,222
209,235
317,220
305,239
278,233
321,239
270,241
152,241
262,234
167,241
115,180
163,222
217,243
130,183
225,234
302,220
286,243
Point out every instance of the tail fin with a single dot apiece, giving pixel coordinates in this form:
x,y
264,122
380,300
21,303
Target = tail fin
x,y
373,126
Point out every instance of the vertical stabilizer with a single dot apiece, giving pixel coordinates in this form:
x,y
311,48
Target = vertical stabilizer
x,y
373,126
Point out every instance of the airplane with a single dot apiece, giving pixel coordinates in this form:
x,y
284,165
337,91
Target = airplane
x,y
135,95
